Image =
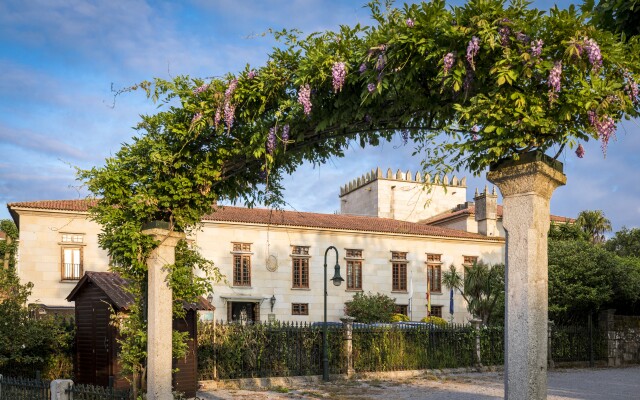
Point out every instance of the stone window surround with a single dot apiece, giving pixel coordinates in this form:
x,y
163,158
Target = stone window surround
x,y
241,251
434,262
299,308
354,258
399,263
300,255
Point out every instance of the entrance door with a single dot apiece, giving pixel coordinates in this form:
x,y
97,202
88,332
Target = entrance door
x,y
242,311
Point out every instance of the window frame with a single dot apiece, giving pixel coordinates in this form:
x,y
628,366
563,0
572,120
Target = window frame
x,y
399,273
241,253
353,260
299,308
434,263
75,273
438,307
300,267
468,261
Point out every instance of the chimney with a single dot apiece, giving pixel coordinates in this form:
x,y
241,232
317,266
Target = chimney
x,y
486,212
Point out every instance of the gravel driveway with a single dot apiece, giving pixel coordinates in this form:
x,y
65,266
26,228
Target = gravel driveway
x,y
569,384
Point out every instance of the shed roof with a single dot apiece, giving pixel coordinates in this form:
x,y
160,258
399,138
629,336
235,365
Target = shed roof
x,y
114,286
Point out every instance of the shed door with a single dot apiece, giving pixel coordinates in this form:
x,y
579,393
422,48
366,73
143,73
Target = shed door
x,y
101,343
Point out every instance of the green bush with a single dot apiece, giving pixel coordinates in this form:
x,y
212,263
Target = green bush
x,y
368,308
399,318
435,320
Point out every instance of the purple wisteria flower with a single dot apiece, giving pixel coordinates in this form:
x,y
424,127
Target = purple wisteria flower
x,y
231,88
593,52
522,37
381,62
474,137
475,129
554,81
504,32
285,134
371,87
472,50
229,114
252,74
363,68
536,48
605,127
197,117
304,98
405,136
468,80
631,87
339,73
271,140
447,62
200,89
218,117
410,23
580,151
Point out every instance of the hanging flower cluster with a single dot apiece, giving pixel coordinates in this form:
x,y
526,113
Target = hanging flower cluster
x,y
285,134
218,117
363,68
472,50
381,62
447,62
554,81
229,109
271,140
200,89
593,52
580,151
631,87
410,23
339,73
522,37
197,117
536,48
605,126
504,32
405,136
371,87
252,74
304,98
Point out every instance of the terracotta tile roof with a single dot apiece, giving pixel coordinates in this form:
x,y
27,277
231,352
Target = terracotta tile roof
x,y
335,221
62,205
2,235
471,210
113,286
291,218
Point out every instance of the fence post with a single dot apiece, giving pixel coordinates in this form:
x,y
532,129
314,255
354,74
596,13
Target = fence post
x,y
59,389
551,364
347,337
590,320
215,352
476,326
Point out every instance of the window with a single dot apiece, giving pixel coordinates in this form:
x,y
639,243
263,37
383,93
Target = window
x,y
71,263
468,261
402,309
241,264
436,311
71,245
354,269
300,309
399,271
434,272
300,267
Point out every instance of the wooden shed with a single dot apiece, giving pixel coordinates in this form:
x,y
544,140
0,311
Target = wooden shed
x,y
97,296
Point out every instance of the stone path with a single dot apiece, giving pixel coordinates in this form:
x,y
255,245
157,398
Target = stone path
x,y
572,384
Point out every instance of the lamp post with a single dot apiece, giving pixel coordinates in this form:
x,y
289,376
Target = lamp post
x,y
337,280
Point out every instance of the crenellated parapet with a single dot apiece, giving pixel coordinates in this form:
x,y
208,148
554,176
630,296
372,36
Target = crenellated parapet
x,y
408,176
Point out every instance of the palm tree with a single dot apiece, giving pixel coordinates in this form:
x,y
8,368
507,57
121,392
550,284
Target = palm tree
x,y
594,224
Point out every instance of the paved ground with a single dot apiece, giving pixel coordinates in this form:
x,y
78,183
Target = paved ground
x,y
570,384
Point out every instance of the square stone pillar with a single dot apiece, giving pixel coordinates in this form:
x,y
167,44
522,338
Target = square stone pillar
x,y
160,314
526,186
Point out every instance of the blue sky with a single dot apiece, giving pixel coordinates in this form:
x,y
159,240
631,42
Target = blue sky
x,y
60,58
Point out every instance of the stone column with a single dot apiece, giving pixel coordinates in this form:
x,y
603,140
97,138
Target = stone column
x,y
347,325
477,323
58,389
160,314
526,185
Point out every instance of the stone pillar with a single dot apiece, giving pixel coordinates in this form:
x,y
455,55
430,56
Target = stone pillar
x,y
477,323
347,325
606,322
59,389
526,185
160,315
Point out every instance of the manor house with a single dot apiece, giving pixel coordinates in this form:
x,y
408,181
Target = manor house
x,y
393,234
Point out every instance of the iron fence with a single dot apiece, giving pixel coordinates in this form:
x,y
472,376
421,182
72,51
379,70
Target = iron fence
x,y
578,343
91,392
24,389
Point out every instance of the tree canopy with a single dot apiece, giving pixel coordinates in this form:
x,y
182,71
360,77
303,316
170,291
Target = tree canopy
x,y
594,224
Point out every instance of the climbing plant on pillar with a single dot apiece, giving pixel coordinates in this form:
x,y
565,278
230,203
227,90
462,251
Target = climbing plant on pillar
x,y
467,85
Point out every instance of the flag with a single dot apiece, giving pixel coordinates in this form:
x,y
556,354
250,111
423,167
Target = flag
x,y
410,311
451,303
428,295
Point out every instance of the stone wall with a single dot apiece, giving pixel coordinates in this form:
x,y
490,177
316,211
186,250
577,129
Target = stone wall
x,y
623,334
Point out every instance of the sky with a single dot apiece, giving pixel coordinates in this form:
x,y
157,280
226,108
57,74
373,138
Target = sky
x,y
60,61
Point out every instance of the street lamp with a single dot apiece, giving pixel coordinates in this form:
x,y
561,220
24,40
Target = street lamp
x,y
337,280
